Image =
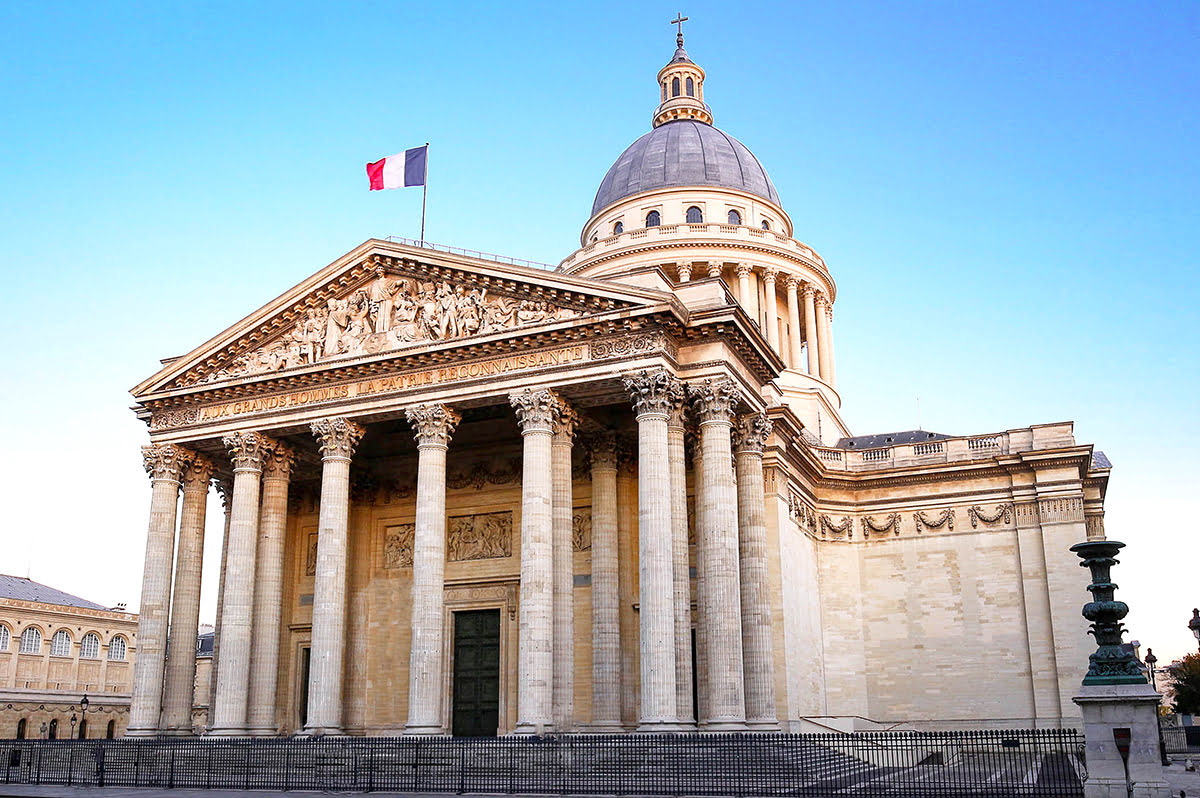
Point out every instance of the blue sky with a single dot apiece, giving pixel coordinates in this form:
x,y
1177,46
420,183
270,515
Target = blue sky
x,y
1005,193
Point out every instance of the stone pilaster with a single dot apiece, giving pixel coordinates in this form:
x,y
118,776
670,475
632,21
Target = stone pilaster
x,y
225,489
772,308
535,649
795,352
230,704
179,689
680,572
163,463
825,337
563,510
653,393
433,426
606,623
714,401
268,589
810,331
758,652
337,438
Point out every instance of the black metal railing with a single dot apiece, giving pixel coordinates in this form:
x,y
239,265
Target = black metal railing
x,y
1181,739
1043,762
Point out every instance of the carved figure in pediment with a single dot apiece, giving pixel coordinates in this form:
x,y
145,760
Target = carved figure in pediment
x,y
381,294
358,327
468,308
404,318
447,319
501,313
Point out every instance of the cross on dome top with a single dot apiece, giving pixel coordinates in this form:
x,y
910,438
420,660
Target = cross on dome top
x,y
681,86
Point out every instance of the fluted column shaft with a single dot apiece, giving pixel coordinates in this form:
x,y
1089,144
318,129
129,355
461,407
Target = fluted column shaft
x,y
606,623
338,438
757,648
653,393
714,401
701,534
225,489
772,309
231,700
810,332
268,590
681,575
793,301
433,426
179,690
827,336
822,317
162,463
565,421
535,649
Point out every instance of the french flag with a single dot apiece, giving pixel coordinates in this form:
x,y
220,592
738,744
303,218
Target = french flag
x,y
397,171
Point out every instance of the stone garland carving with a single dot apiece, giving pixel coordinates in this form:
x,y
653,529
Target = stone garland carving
x,y
433,424
247,449
581,529
714,399
398,546
799,510
631,346
946,519
653,391
390,313
751,432
978,516
165,419
337,437
892,524
846,527
484,536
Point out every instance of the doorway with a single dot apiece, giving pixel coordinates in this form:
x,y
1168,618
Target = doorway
x,y
476,708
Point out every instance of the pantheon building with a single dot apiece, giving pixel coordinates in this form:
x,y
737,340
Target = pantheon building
x,y
470,495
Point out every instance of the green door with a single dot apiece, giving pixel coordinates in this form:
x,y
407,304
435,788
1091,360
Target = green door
x,y
476,673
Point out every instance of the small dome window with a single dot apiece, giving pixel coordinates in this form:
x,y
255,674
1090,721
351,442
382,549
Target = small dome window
x,y
691,88
664,99
618,228
674,87
766,225
695,215
735,217
653,219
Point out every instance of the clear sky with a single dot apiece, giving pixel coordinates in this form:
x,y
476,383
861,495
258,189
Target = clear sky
x,y
1006,194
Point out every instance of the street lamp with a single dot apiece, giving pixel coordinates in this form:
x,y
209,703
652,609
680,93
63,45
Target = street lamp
x,y
1194,624
83,704
74,720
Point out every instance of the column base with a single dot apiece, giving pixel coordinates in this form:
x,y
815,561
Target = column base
x,y
603,727
173,733
142,732
262,731
227,731
535,729
1118,788
322,731
723,725
660,726
423,730
766,725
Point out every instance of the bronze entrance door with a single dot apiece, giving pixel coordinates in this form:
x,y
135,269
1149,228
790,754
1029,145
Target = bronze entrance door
x,y
476,673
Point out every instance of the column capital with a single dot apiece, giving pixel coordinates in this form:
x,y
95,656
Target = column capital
x,y
770,274
602,448
684,270
337,437
197,473
565,421
807,290
247,450
653,391
793,282
535,409
224,487
744,270
164,460
279,461
714,400
750,432
822,300
433,424
714,268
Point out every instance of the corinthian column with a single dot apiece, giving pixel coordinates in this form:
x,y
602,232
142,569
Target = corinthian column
x,y
162,462
225,489
772,308
810,332
653,393
823,335
827,336
565,421
606,621
714,402
535,649
179,691
751,435
682,582
701,527
231,700
793,301
747,294
337,438
432,426
268,589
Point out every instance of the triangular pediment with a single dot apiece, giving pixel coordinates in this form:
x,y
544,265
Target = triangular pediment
x,y
384,299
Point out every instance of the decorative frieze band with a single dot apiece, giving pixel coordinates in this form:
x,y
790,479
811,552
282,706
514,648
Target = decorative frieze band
x,y
944,519
1002,515
1064,510
891,524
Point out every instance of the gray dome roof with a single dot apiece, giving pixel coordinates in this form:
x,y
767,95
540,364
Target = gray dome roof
x,y
684,153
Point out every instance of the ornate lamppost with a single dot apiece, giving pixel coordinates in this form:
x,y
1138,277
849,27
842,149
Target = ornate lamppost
x,y
83,705
74,720
1194,624
1109,663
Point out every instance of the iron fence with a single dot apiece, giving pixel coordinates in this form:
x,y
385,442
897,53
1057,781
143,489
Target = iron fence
x,y
1181,739
1043,762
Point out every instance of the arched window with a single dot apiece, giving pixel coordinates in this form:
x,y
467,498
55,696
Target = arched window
x,y
766,225
664,99
691,88
5,637
116,649
53,733
21,726
674,87
695,215
83,729
89,647
618,228
31,641
60,644
735,217
111,731
653,219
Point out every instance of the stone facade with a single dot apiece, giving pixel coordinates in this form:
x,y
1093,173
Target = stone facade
x,y
640,447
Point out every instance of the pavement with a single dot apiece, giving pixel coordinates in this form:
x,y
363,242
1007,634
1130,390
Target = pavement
x,y
1183,782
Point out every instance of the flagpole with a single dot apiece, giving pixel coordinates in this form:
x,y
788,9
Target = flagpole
x,y
424,192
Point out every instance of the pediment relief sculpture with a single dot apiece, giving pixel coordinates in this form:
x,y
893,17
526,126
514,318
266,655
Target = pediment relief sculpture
x,y
386,314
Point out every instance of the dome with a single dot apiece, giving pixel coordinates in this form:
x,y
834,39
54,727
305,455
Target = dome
x,y
684,153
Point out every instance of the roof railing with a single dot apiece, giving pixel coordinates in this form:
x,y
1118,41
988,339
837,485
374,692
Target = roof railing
x,y
472,253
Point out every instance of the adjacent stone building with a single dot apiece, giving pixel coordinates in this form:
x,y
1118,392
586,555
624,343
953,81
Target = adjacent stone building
x,y
56,648
474,495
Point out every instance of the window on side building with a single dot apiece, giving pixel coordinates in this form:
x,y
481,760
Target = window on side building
x,y
31,641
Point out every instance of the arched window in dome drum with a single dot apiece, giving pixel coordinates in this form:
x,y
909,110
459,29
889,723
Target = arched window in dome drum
x,y
664,99
735,217
691,88
653,219
618,228
674,87
695,215
766,225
